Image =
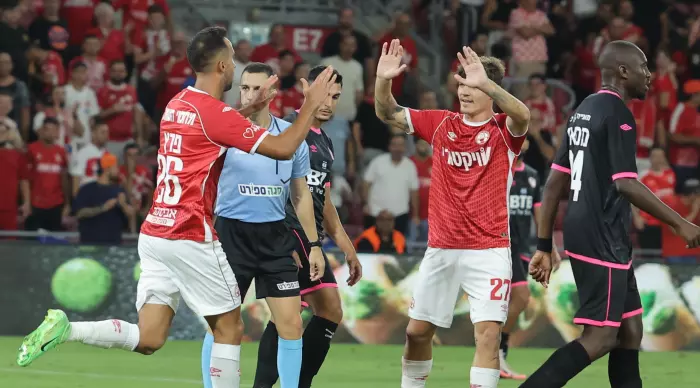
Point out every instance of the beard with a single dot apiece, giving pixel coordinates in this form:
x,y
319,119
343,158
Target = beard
x,y
116,81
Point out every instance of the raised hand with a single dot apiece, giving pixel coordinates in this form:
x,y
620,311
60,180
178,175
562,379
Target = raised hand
x,y
267,92
475,74
316,93
389,65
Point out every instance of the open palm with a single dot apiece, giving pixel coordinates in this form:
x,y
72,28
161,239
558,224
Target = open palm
x,y
389,65
475,74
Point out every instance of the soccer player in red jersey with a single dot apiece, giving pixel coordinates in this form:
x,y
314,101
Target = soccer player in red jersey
x,y
468,238
179,249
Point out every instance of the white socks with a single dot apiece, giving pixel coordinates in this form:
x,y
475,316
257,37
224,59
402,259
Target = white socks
x,y
224,367
415,373
106,334
484,377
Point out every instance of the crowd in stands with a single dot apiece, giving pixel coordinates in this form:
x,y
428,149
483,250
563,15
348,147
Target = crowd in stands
x,y
75,84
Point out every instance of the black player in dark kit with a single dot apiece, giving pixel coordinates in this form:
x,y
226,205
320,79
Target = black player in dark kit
x,y
322,295
596,160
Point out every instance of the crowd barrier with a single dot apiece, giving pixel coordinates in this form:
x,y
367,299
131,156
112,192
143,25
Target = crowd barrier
x,y
95,283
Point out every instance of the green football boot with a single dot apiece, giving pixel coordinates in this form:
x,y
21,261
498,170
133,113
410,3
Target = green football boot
x,y
51,333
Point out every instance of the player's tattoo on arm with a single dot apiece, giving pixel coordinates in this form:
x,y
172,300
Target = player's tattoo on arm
x,y
386,107
518,113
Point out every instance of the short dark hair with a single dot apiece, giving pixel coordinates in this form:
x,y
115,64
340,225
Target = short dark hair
x,y
116,61
50,120
90,36
495,69
538,76
285,53
317,70
78,65
155,8
258,68
97,121
205,45
130,145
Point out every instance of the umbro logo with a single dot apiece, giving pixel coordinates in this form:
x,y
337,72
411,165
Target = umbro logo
x,y
451,136
625,127
227,109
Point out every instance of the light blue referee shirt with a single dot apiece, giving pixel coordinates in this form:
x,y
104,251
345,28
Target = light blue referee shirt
x,y
255,188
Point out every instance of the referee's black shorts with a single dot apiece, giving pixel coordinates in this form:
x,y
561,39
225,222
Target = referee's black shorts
x,y
260,251
305,284
607,291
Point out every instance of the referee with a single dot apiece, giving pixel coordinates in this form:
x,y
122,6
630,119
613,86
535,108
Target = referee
x,y
253,192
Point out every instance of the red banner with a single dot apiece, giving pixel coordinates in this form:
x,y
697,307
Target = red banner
x,y
305,39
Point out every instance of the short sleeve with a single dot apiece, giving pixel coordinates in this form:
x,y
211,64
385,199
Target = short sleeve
x,y
424,123
561,159
227,128
622,147
301,166
514,143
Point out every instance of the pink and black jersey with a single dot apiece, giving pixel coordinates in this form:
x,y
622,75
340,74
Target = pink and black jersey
x,y
525,194
598,148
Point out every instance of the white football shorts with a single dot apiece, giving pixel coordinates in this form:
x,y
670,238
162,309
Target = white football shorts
x,y
197,271
484,275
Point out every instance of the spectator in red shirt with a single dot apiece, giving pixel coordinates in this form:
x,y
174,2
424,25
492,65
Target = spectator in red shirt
x,y
400,88
585,67
112,39
137,181
647,119
293,97
49,29
269,52
684,131
538,100
49,179
151,49
78,14
424,164
687,204
15,180
665,88
120,107
97,67
136,13
45,69
174,73
661,180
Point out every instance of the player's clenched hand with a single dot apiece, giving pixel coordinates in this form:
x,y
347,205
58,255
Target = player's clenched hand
x,y
317,264
389,65
541,267
267,92
316,93
475,74
690,233
355,268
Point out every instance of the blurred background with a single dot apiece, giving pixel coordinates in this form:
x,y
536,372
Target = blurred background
x,y
82,78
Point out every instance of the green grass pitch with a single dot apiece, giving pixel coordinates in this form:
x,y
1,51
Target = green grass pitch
x,y
347,366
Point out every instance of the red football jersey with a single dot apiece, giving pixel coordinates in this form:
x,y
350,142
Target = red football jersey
x,y
684,120
292,99
174,80
120,124
547,111
15,169
195,132
141,183
53,65
78,14
664,85
645,116
471,177
660,183
46,165
97,70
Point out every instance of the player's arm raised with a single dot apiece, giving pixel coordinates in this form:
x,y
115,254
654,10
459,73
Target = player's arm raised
x,y
331,222
518,113
385,105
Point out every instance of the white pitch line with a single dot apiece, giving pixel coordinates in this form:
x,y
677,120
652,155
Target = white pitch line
x,y
106,376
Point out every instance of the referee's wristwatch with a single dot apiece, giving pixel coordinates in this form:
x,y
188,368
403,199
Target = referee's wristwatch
x,y
316,243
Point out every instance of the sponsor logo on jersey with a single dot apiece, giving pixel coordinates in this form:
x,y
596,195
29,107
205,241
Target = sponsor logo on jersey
x,y
467,159
532,181
520,204
162,216
625,127
226,109
251,190
250,131
315,178
451,136
313,148
178,116
287,286
482,137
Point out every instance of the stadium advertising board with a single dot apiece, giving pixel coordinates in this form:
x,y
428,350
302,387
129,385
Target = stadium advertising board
x,y
95,283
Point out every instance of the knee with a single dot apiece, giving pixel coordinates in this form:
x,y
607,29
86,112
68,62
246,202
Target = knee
x,y
333,313
289,326
419,332
487,334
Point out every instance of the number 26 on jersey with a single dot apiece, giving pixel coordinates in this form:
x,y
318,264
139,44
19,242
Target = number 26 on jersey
x,y
168,167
